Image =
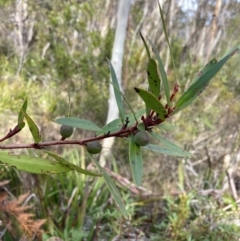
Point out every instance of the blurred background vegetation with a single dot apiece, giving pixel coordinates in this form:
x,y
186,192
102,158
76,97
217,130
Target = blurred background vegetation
x,y
51,48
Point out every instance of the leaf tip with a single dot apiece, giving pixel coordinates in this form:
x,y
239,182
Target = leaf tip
x,y
136,89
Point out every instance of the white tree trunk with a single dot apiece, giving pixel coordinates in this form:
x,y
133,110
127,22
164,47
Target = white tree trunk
x,y
117,57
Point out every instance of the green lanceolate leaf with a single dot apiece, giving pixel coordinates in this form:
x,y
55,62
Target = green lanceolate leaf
x,y
145,45
21,123
206,68
116,124
78,123
153,78
33,164
63,162
166,36
112,188
163,150
202,81
152,102
118,96
170,145
136,162
112,126
162,72
32,127
130,107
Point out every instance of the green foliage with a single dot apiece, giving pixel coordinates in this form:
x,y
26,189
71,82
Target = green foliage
x,y
176,150
78,123
117,92
32,164
71,166
153,78
32,127
152,102
53,70
135,156
136,162
113,189
163,73
204,77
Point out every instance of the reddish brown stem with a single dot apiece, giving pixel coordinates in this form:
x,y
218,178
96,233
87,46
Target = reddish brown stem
x,y
42,145
11,133
175,90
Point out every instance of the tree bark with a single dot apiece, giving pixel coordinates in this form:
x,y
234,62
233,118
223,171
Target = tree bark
x,y
116,60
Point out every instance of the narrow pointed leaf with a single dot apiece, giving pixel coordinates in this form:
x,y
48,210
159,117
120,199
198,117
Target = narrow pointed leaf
x,y
112,126
145,45
152,102
136,162
206,68
118,96
112,188
21,123
130,107
32,164
163,150
166,36
116,124
162,72
153,78
70,165
32,127
203,80
170,145
78,123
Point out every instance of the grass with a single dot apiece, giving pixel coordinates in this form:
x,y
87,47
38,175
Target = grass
x,y
77,207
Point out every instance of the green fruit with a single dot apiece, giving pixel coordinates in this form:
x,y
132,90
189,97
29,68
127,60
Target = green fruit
x,y
66,131
141,138
94,147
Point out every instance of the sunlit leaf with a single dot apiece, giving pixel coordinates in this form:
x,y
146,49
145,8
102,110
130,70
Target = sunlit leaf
x,y
32,127
21,123
118,96
136,162
145,45
78,123
162,72
170,145
32,164
202,81
153,78
70,165
112,188
152,102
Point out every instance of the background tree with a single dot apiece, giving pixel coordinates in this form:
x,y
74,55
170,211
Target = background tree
x,y
116,59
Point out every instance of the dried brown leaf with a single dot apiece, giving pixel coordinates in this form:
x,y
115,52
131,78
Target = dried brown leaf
x,y
23,216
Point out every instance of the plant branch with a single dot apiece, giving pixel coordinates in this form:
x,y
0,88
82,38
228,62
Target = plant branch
x,y
124,132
